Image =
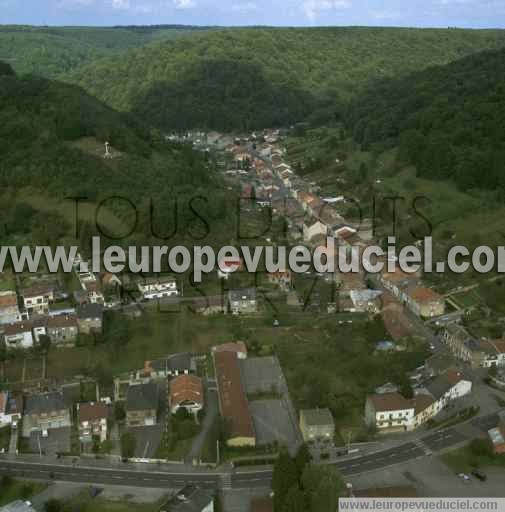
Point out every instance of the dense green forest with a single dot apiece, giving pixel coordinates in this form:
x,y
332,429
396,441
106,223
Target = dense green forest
x,y
449,120
53,51
252,77
53,137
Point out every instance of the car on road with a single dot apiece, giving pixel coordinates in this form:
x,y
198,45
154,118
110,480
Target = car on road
x,y
480,475
464,477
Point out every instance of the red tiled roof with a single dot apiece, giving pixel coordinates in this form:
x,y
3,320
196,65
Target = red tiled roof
x,y
233,401
389,402
186,388
92,411
8,300
424,295
234,346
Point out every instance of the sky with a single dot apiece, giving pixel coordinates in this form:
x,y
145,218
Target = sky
x,y
418,13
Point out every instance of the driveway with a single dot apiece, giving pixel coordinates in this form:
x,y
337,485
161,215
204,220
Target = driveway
x,y
211,412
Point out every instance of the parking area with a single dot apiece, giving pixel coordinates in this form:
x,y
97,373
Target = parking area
x,y
272,422
262,375
148,438
57,441
431,477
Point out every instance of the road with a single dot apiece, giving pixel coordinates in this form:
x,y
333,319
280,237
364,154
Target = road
x,y
239,479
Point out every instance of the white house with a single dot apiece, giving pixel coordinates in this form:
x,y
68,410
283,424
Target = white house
x,y
156,288
448,386
10,409
18,335
389,412
314,229
36,299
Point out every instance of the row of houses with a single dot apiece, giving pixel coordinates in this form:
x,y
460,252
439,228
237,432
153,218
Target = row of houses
x,y
479,353
389,411
62,329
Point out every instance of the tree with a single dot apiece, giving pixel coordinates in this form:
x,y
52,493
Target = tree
x,y
302,459
119,411
44,343
323,486
128,445
295,500
53,505
285,476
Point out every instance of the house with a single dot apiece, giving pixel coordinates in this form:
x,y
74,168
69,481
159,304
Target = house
x,y
90,318
11,408
446,387
237,347
317,424
18,335
481,353
142,404
342,231
424,408
233,402
389,412
93,290
92,418
425,302
283,279
158,287
62,329
399,283
314,229
36,299
186,392
46,411
182,363
366,301
190,499
242,301
9,309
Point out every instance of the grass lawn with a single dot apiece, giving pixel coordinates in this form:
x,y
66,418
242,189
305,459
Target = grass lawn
x,y
85,503
19,490
463,460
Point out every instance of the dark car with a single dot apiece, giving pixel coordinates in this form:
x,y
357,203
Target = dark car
x,y
479,474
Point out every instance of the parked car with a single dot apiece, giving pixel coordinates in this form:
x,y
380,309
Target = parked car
x,y
480,475
464,477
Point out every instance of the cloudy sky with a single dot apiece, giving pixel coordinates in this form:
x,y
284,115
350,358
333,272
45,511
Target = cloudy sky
x,y
421,13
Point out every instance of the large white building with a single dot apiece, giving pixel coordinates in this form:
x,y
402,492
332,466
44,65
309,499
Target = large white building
x,y
391,412
157,288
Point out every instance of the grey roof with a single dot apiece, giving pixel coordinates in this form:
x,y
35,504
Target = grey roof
x,y
142,397
45,402
90,311
189,499
317,417
181,361
17,506
439,386
243,294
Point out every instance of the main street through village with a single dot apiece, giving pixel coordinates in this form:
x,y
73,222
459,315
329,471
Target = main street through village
x,y
173,476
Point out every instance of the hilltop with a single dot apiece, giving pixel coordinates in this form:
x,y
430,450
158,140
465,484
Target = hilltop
x,y
53,51
255,77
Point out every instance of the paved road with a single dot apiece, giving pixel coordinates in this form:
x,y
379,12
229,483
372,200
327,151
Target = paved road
x,y
134,477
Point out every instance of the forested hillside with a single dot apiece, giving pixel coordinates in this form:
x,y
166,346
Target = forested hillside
x,y
252,77
52,51
449,121
53,137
